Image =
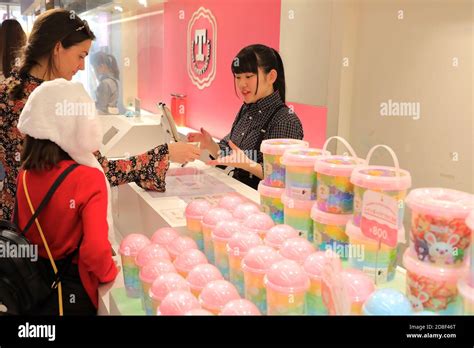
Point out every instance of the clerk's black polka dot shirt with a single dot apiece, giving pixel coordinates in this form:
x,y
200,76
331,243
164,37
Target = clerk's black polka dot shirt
x,y
246,129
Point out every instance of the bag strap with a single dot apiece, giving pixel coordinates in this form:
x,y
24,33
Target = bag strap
x,y
35,214
47,198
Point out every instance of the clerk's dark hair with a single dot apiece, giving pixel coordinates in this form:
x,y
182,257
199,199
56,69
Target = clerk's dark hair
x,y
50,27
102,58
252,57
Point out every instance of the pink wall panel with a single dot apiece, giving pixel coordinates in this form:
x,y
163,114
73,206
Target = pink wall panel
x,y
313,119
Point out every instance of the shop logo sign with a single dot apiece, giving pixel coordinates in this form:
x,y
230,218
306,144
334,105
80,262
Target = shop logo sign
x,y
202,48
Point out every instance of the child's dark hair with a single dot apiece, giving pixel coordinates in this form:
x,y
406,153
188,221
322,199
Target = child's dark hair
x,y
51,27
102,58
252,57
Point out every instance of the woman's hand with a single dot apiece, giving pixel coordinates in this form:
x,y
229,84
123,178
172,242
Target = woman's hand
x,y
182,153
204,139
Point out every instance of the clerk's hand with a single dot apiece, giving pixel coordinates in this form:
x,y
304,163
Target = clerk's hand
x,y
237,159
182,153
204,139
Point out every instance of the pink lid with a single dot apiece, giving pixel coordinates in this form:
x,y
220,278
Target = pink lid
x,y
258,222
358,284
436,272
180,245
470,221
225,229
260,258
276,235
198,311
296,203
296,249
230,202
164,236
241,242
314,264
466,290
240,307
353,231
154,268
305,157
177,303
216,215
203,274
132,244
167,283
441,202
287,277
337,165
245,209
381,177
268,191
217,294
197,208
189,259
328,218
279,146
152,251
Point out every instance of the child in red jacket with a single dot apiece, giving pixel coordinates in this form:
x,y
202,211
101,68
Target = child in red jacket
x,y
77,213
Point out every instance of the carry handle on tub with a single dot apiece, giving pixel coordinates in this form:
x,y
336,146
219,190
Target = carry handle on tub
x,y
342,140
392,153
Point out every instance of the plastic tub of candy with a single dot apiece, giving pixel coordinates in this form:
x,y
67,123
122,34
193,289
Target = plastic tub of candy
x,y
270,200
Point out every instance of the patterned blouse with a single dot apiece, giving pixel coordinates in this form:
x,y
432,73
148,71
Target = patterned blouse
x,y
147,170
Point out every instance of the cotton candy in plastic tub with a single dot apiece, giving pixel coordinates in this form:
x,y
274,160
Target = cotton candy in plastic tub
x,y
150,252
254,265
432,287
296,249
164,236
178,302
180,245
380,180
335,192
244,210
198,312
217,294
210,220
467,294
189,259
329,231
286,283
297,214
300,182
270,200
201,275
129,249
230,202
194,213
162,286
387,302
359,287
237,247
148,273
439,233
273,150
278,234
220,236
240,307
313,266
258,223
378,261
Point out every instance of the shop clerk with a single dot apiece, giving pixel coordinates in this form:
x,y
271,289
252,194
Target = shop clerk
x,y
260,81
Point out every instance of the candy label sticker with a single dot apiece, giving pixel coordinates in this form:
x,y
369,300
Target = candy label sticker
x,y
300,193
380,218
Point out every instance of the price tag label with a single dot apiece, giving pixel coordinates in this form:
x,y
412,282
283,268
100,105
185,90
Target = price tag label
x,y
380,218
